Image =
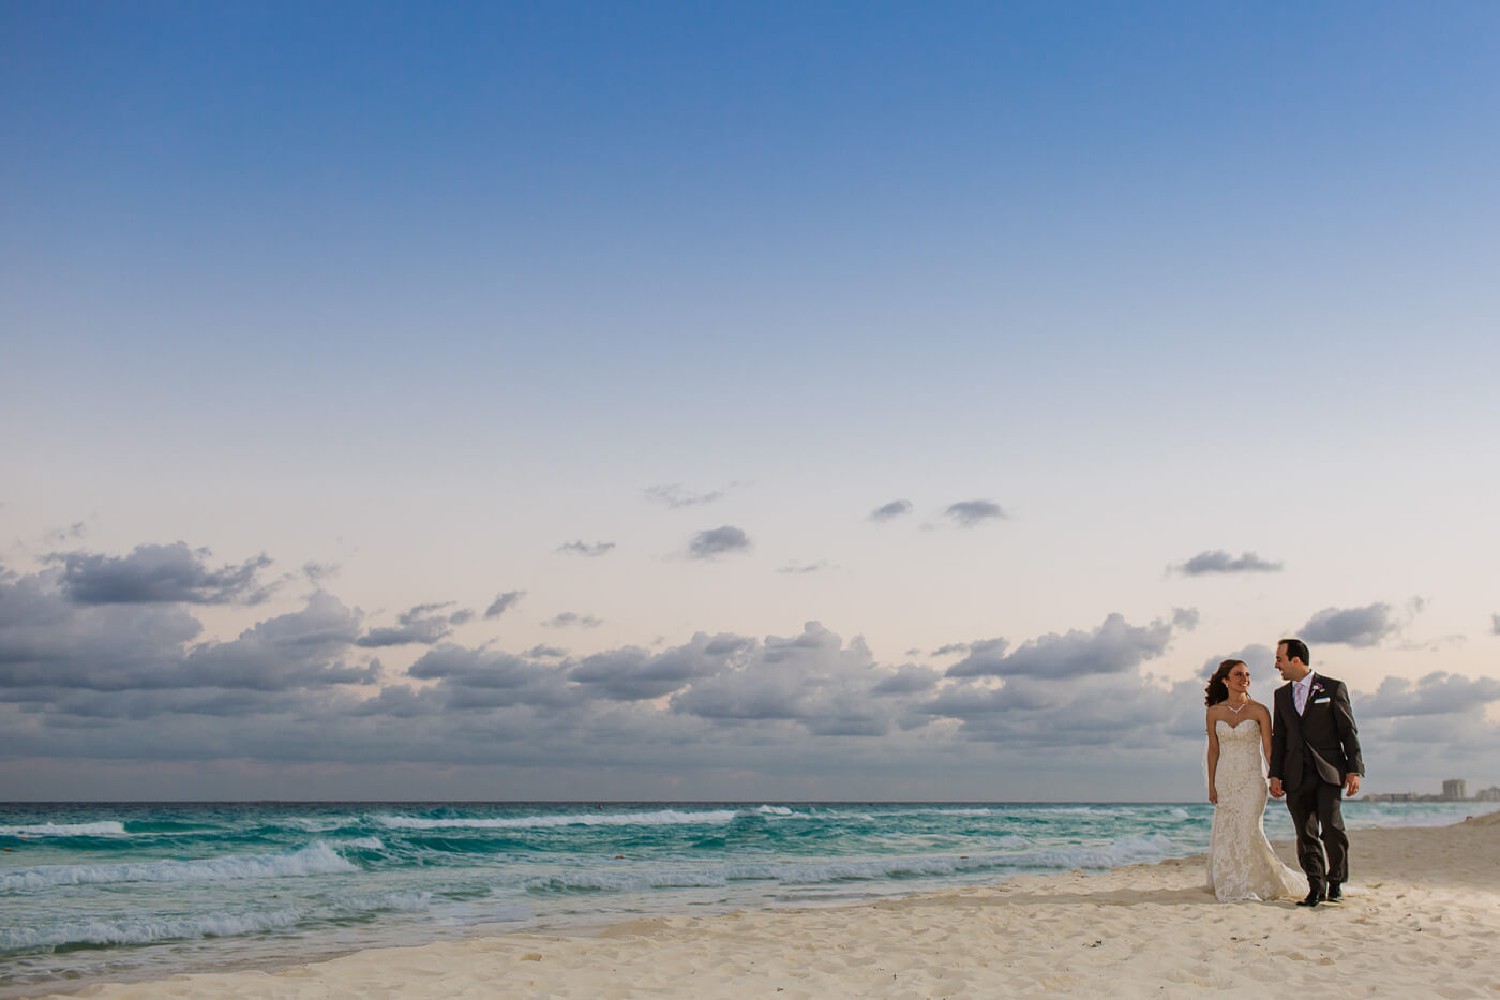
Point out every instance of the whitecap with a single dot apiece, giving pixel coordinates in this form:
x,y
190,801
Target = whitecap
x,y
103,828
660,817
315,859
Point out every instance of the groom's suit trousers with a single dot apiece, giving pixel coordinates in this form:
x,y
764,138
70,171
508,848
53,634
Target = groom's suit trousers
x,y
1322,844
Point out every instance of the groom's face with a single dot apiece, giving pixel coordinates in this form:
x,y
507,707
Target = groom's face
x,y
1290,670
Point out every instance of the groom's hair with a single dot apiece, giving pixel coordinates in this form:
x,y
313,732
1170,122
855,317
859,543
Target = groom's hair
x,y
1296,649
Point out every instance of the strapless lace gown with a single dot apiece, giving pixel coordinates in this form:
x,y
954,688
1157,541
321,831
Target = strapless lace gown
x,y
1241,864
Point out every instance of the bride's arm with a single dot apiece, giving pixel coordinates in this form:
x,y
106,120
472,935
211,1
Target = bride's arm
x,y
1264,718
1213,755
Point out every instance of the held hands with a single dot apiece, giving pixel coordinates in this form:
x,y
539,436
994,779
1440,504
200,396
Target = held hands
x,y
1351,786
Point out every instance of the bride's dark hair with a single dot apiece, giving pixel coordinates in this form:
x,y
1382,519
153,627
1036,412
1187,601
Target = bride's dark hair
x,y
1217,690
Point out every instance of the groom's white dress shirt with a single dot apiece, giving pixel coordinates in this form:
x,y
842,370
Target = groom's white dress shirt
x,y
1299,692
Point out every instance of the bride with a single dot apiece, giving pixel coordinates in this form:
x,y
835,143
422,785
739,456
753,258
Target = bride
x,y
1241,864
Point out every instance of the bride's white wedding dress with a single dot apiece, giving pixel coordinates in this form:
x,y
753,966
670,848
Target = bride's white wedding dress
x,y
1241,864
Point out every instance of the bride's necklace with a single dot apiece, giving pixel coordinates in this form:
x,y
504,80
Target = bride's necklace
x,y
1243,705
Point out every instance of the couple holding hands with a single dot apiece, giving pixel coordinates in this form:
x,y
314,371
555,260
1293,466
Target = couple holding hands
x,y
1310,747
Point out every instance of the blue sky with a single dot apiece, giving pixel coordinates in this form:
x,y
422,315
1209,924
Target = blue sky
x,y
327,326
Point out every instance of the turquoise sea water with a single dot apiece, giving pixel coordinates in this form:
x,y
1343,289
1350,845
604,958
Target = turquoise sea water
x,y
125,891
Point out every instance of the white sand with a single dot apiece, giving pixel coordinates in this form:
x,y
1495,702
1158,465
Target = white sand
x,y
1422,919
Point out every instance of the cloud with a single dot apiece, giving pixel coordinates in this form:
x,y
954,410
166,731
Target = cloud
x,y
1114,647
635,674
378,637
891,511
1351,626
985,657
953,648
909,679
425,624
159,574
91,691
1259,658
1436,694
572,619
802,568
1495,624
969,513
318,574
811,679
728,643
1080,690
718,541
60,654
480,679
1219,561
1418,750
49,644
673,495
1113,716
72,533
503,603
299,649
585,549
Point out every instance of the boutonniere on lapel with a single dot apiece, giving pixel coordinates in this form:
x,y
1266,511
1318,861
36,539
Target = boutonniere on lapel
x,y
1314,690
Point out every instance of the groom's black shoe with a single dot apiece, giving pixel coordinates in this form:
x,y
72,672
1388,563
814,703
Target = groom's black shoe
x,y
1335,893
1314,897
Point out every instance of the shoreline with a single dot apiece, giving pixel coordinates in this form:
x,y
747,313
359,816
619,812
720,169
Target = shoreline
x,y
1422,916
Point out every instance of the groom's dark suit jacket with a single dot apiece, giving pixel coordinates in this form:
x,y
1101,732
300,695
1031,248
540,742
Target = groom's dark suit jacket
x,y
1320,744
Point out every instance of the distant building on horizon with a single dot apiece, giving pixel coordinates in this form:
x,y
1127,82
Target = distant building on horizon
x,y
1454,790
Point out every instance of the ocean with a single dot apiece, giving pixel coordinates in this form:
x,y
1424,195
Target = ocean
x,y
132,891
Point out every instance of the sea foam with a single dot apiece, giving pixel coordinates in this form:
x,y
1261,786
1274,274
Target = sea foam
x,y
145,930
660,817
104,828
315,859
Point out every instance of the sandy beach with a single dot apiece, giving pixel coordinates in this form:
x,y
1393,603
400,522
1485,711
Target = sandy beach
x,y
1422,918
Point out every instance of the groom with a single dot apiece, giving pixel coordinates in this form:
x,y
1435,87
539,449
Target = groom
x,y
1314,756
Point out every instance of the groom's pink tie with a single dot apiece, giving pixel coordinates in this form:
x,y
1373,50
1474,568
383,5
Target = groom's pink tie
x,y
1299,693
